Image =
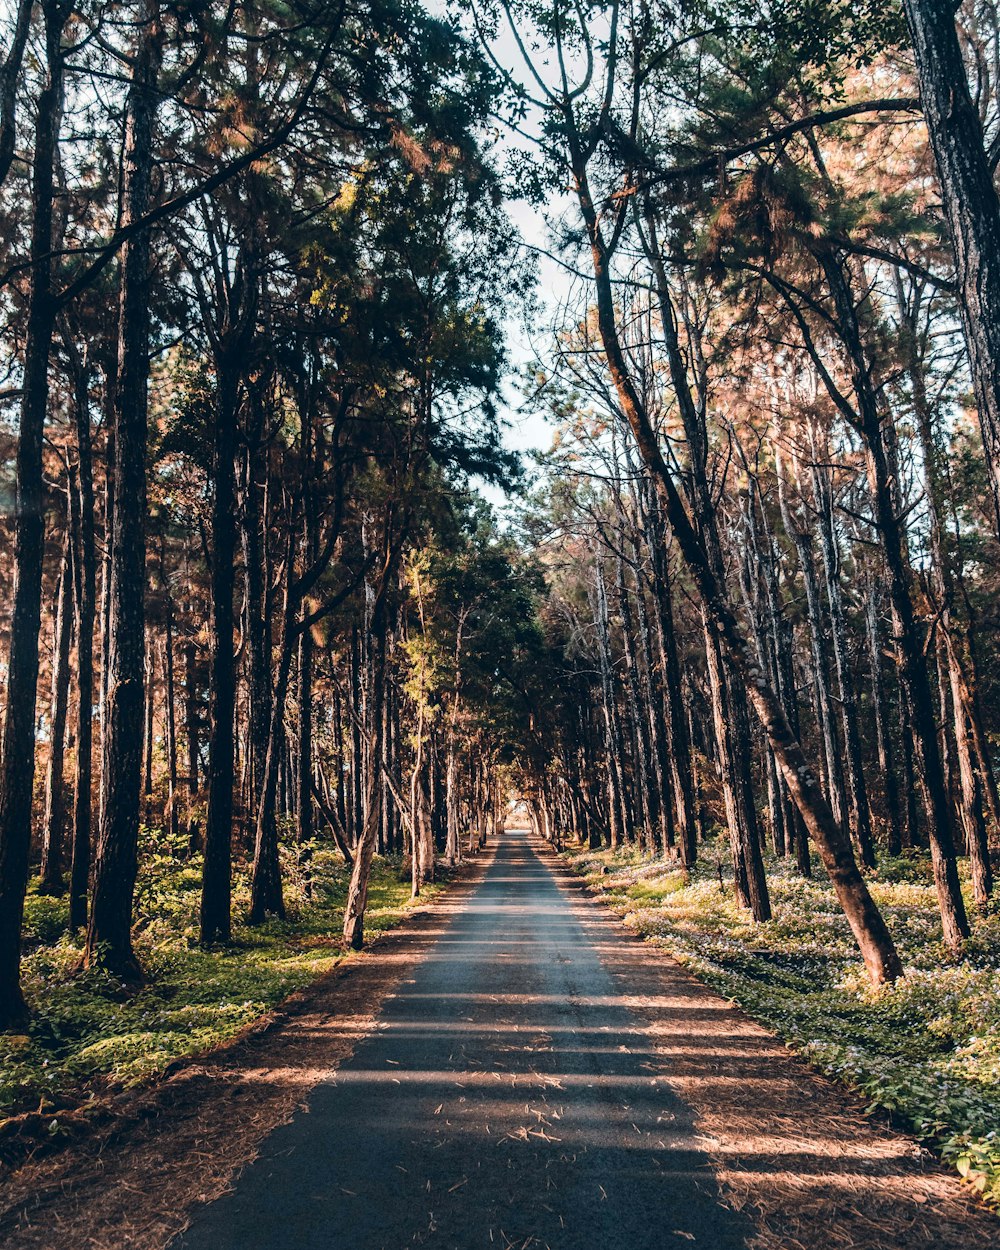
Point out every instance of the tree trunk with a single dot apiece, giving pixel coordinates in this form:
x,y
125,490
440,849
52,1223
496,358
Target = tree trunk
x,y
216,889
109,939
453,838
53,826
971,206
648,795
191,735
779,634
750,569
266,893
857,791
147,730
417,814
613,746
304,763
732,724
17,745
169,705
883,742
911,823
357,773
802,542
258,600
911,658
85,565
357,894
876,945
10,74
654,700
734,767
950,633
678,740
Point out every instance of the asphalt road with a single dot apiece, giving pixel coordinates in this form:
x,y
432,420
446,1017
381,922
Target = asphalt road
x,y
505,1099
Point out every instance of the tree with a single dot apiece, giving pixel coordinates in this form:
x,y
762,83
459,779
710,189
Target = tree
x,y
109,940
971,205
17,756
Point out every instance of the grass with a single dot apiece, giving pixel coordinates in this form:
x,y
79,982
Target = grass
x,y
926,1050
86,1036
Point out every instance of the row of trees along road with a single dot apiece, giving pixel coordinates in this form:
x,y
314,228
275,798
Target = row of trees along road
x,y
772,479
255,268
254,264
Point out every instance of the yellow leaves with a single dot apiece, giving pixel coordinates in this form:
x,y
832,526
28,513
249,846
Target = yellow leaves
x,y
347,197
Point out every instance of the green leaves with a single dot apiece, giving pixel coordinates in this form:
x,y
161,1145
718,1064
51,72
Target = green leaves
x,y
85,1034
816,33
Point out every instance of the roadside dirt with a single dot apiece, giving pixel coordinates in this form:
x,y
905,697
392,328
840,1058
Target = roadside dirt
x,y
791,1150
790,1147
129,1183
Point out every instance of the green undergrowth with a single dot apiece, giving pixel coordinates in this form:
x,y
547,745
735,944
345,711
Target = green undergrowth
x,y
87,1035
926,1050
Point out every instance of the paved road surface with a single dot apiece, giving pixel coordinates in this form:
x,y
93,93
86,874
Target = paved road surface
x,y
506,1099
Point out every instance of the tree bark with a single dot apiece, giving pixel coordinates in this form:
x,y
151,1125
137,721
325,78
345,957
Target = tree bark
x,y
357,894
883,741
149,709
648,796
258,600
216,889
732,724
751,568
357,770
909,646
971,206
109,939
266,892
10,73
169,700
857,791
950,633
54,821
873,938
654,699
85,567
613,748
304,763
191,734
678,740
780,634
802,541
17,744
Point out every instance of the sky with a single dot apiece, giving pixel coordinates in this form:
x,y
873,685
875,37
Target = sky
x,y
527,429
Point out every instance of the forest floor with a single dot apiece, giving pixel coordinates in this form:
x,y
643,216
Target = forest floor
x,y
89,1044
508,1068
924,1052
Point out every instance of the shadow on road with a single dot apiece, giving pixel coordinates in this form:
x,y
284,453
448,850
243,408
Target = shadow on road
x,y
506,1098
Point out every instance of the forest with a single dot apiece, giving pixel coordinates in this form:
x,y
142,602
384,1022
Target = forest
x,y
294,625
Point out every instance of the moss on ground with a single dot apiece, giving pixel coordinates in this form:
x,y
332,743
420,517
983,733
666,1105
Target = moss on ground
x,y
926,1050
87,1035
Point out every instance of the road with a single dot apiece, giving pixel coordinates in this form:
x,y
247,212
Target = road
x,y
507,1097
